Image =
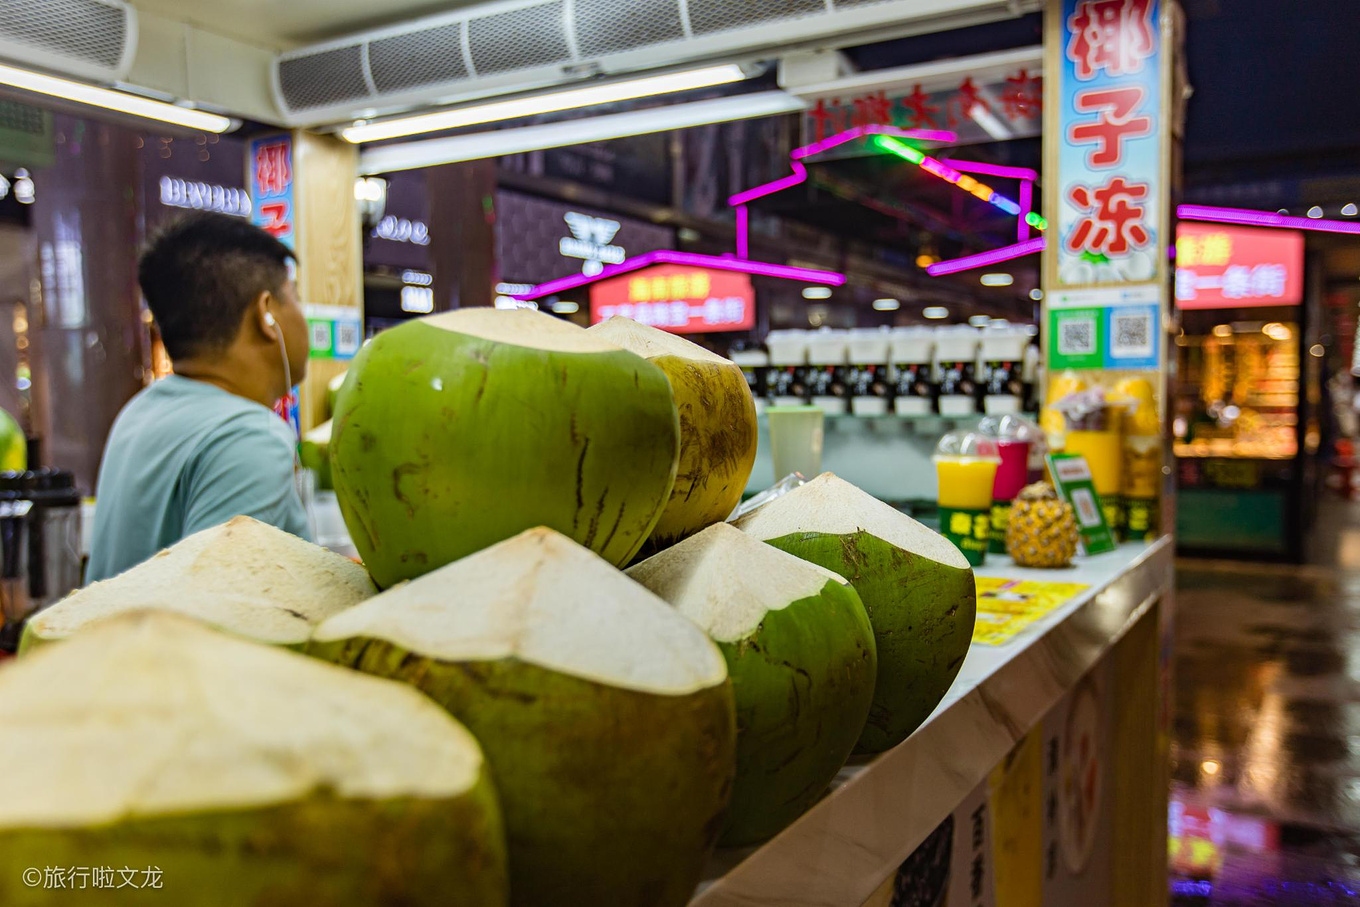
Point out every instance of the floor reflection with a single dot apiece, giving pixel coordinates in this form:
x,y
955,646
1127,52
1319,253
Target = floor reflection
x,y
1266,746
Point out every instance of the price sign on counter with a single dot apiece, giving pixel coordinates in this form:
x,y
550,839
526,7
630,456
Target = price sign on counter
x,y
1007,606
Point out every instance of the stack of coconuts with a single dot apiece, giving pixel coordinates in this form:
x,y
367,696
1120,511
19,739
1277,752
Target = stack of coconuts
x,y
526,722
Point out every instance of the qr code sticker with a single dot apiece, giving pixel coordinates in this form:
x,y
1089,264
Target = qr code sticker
x,y
1077,336
321,335
1131,335
346,338
1088,515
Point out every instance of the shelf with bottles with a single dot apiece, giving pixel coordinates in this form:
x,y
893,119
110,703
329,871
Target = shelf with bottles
x,y
952,373
920,421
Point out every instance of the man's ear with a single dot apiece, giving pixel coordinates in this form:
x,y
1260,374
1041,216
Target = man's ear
x,y
262,316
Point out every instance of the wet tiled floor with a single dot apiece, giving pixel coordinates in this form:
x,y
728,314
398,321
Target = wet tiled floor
x,y
1266,742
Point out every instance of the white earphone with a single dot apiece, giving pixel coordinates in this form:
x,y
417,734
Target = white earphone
x,y
270,320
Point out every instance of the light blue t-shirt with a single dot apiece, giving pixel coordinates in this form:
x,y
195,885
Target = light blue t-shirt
x,y
185,455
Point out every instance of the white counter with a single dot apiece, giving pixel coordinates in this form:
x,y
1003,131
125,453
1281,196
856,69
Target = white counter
x,y
843,849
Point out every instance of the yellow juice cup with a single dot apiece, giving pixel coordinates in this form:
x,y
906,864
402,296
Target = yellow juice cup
x,y
1104,453
966,483
966,463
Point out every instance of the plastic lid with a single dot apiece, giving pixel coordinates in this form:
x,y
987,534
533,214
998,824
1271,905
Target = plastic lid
x,y
967,445
1010,427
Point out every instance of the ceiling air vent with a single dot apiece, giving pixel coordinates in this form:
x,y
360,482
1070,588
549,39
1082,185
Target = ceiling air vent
x,y
518,45
92,39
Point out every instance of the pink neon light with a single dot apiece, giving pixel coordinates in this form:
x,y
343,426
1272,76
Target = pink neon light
x,y
779,185
1005,253
694,259
859,132
1026,206
1001,170
743,232
1264,219
800,172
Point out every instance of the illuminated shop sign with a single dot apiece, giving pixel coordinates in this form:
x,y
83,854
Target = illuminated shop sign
x,y
590,241
399,229
1220,266
178,193
679,299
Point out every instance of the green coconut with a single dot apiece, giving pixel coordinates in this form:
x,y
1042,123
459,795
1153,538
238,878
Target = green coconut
x,y
717,428
916,587
800,653
13,444
459,430
606,716
245,577
315,454
332,391
241,774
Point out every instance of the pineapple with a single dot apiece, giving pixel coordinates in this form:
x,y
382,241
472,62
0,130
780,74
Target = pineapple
x,y
1043,529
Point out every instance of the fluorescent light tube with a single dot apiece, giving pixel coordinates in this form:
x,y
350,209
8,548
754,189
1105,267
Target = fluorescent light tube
x,y
497,142
533,105
120,101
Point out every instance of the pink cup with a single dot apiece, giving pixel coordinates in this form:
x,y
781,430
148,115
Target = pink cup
x,y
1013,472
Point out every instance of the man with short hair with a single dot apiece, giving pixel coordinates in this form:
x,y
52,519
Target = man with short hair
x,y
203,445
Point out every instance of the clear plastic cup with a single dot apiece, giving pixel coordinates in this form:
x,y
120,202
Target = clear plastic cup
x,y
796,434
1017,440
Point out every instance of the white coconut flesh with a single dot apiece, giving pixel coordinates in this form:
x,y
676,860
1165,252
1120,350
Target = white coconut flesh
x,y
544,600
521,327
652,343
319,435
152,714
833,506
243,576
726,582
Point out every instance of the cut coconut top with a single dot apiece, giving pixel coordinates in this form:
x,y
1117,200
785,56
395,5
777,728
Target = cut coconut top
x,y
832,505
319,435
543,599
521,327
243,576
652,343
726,581
152,714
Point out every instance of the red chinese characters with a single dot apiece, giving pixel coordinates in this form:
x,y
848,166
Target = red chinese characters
x,y
1111,222
274,218
963,104
1111,36
273,169
921,113
1023,95
1115,123
1018,98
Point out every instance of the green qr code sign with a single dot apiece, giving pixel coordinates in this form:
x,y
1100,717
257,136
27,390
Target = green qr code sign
x,y
1075,338
322,339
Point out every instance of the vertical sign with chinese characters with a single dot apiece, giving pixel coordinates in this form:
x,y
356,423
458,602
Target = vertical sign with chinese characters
x,y
1108,150
269,176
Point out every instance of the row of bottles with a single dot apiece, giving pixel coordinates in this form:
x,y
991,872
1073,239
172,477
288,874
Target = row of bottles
x,y
953,370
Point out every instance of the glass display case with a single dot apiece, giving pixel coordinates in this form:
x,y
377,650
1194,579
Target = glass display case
x,y
1239,420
